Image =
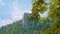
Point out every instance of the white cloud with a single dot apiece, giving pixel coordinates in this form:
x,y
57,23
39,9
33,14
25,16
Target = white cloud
x,y
27,11
5,22
0,0
2,3
16,14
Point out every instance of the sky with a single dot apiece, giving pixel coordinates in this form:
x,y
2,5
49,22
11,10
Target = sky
x,y
13,10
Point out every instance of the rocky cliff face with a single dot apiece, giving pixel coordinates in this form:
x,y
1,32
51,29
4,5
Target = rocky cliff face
x,y
25,20
27,24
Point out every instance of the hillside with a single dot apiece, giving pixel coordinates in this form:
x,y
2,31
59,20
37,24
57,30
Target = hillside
x,y
15,28
24,26
21,27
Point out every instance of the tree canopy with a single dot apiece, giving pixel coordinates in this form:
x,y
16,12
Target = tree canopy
x,y
40,6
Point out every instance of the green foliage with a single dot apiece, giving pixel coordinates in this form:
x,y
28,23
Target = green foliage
x,y
40,6
15,28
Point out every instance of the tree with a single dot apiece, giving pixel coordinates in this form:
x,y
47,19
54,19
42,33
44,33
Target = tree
x,y
40,6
